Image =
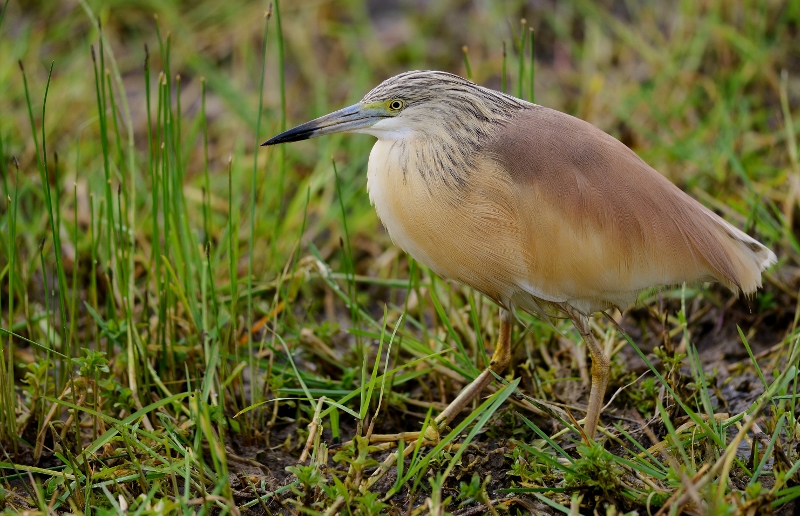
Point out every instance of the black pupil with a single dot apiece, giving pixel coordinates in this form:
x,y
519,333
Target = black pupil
x,y
396,104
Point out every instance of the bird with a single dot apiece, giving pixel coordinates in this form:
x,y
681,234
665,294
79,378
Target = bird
x,y
538,210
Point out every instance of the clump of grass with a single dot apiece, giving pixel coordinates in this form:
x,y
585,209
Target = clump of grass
x,y
597,472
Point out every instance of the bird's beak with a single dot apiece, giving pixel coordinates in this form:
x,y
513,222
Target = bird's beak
x,y
352,118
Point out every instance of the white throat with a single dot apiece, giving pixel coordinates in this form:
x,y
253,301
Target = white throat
x,y
390,129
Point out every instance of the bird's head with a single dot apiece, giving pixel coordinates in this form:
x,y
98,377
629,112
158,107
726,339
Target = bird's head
x,y
418,103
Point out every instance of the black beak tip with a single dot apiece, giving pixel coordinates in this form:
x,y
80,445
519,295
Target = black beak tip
x,y
292,135
273,141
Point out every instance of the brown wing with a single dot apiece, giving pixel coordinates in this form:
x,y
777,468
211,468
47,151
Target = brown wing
x,y
600,225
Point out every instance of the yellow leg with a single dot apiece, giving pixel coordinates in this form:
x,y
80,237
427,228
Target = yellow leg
x,y
600,368
500,360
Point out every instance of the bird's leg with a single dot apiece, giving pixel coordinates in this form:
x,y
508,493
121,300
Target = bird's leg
x,y
600,369
500,360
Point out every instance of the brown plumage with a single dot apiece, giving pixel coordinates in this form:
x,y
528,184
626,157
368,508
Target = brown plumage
x,y
600,225
534,208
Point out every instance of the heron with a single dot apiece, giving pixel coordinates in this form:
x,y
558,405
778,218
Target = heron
x,y
538,210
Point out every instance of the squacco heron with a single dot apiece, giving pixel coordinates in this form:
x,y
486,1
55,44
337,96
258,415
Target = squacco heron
x,y
536,209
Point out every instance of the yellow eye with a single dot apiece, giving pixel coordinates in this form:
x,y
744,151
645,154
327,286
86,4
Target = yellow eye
x,y
396,104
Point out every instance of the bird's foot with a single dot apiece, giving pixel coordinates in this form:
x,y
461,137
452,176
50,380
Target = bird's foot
x,y
430,437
